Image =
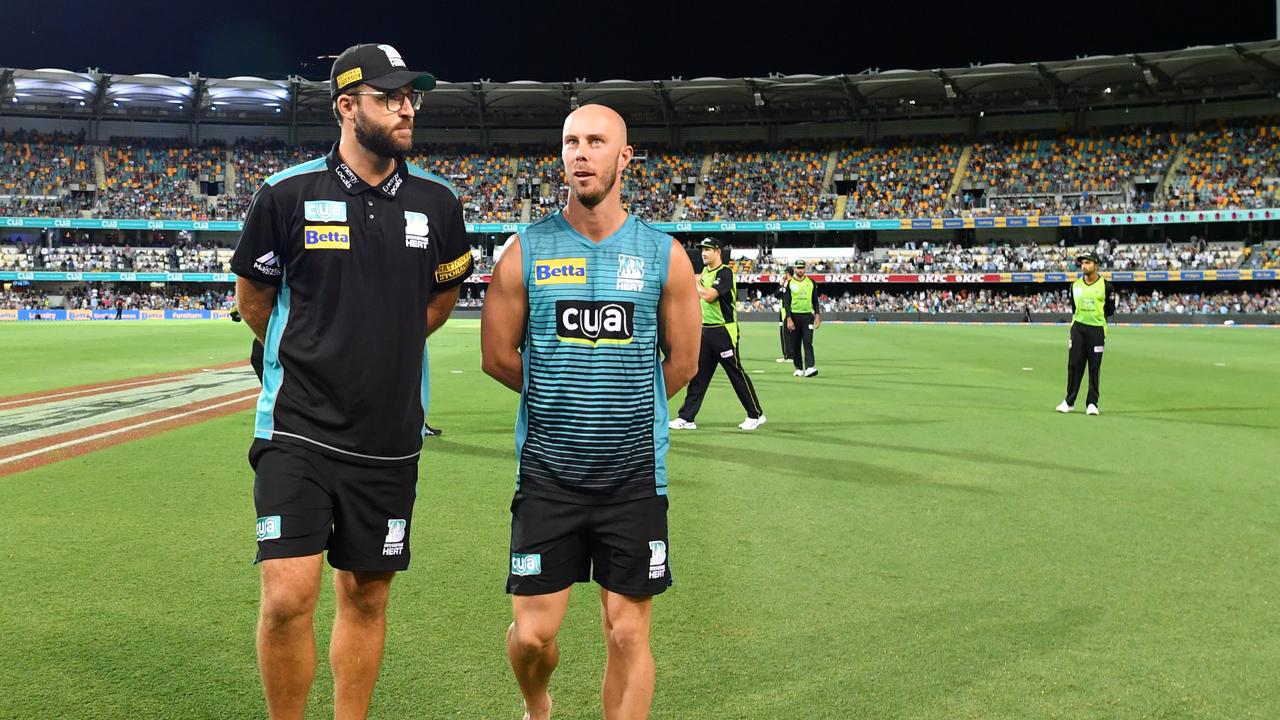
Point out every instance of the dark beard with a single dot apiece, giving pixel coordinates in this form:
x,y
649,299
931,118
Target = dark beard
x,y
591,201
381,143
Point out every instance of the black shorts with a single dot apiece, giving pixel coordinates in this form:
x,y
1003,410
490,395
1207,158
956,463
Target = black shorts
x,y
308,503
555,544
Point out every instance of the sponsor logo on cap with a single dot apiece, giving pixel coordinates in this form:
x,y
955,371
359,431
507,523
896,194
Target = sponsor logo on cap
x,y
564,271
326,237
353,75
393,55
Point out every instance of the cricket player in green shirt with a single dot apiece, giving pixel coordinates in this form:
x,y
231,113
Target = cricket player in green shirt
x,y
719,293
1093,300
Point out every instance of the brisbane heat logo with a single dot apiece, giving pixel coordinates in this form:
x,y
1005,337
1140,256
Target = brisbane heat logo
x,y
598,322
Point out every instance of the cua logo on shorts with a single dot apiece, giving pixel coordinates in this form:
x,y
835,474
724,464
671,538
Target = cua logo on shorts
x,y
526,564
269,528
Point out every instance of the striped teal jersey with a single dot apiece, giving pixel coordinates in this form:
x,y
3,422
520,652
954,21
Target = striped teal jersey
x,y
592,427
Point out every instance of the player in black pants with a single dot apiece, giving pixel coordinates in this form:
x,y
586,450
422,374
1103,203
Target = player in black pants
x,y
783,336
800,304
718,291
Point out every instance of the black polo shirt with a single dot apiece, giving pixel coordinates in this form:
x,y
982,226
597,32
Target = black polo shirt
x,y
355,266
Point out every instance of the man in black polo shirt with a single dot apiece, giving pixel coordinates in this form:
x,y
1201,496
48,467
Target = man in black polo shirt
x,y
346,264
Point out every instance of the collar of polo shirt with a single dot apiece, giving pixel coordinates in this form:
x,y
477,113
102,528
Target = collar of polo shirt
x,y
352,183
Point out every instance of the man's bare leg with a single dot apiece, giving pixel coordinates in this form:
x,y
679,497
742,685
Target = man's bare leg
x,y
359,630
532,649
286,634
629,669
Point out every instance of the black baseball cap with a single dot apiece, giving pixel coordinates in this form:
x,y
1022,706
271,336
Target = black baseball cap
x,y
799,263
710,242
379,66
1088,256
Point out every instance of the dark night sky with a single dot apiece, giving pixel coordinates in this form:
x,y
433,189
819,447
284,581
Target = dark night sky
x,y
555,40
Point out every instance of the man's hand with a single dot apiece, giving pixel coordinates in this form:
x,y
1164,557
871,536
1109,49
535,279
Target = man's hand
x,y
791,326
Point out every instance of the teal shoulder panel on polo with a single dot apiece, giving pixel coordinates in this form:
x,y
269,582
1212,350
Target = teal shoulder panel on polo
x,y
418,172
317,165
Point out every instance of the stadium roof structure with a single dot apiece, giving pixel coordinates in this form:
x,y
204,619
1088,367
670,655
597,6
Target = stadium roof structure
x,y
1235,71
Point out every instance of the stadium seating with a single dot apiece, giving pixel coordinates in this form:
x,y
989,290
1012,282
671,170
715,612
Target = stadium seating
x,y
763,185
901,180
1211,167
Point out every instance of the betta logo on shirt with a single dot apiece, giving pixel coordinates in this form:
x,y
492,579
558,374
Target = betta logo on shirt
x,y
595,322
562,271
326,237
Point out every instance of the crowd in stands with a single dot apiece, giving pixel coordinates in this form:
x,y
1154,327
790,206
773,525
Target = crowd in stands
x,y
1078,174
33,164
1127,170
995,300
911,257
1003,256
180,257
1264,256
156,179
894,181
1228,167
763,185
95,297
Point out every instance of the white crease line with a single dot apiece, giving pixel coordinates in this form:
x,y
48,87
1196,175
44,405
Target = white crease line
x,y
117,431
96,390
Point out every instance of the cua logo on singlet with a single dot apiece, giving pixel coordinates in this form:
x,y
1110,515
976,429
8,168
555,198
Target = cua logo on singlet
x,y
595,321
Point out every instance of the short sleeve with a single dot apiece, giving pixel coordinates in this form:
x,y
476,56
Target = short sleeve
x,y
258,255
723,284
454,265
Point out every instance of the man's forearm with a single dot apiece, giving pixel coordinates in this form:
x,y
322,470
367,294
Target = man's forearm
x,y
255,314
507,369
439,309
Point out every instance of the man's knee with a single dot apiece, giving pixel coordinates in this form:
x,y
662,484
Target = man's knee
x,y
529,639
290,588
285,606
364,594
628,635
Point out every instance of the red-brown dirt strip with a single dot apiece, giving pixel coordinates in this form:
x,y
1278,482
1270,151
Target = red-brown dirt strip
x,y
90,439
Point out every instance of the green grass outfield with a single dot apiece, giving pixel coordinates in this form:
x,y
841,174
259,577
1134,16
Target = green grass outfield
x,y
914,534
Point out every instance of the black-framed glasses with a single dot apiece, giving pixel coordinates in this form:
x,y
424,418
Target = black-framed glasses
x,y
394,99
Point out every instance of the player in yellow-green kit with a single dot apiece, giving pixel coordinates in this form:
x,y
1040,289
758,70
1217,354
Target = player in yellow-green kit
x,y
1093,300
